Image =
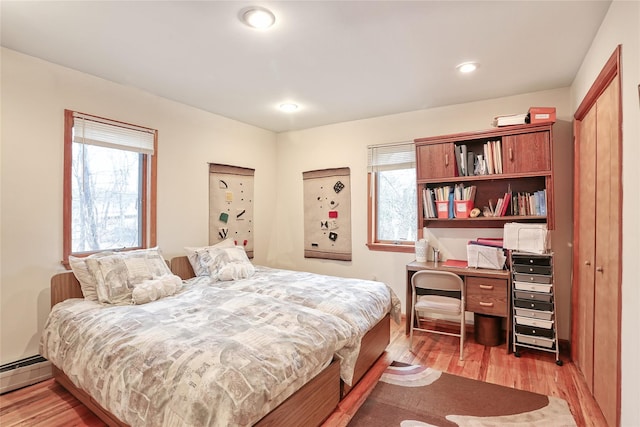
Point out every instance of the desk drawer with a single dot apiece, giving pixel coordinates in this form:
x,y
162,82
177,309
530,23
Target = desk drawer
x,y
535,287
532,278
535,296
536,323
532,269
533,331
487,296
533,305
539,341
535,314
530,259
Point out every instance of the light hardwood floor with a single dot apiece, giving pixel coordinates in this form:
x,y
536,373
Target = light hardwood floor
x,y
48,404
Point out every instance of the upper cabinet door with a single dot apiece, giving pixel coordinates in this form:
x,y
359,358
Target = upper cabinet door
x,y
526,152
436,161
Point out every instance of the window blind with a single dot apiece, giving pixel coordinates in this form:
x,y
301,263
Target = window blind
x,y
400,155
106,133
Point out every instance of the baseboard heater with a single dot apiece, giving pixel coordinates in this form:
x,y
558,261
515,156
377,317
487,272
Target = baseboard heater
x,y
24,372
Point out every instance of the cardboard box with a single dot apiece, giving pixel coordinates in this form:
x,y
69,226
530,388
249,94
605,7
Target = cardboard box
x,y
542,115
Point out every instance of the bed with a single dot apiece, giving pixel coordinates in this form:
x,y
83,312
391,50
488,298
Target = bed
x,y
361,303
305,385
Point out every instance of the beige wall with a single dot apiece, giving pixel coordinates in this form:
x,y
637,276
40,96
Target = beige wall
x,y
621,26
34,96
344,144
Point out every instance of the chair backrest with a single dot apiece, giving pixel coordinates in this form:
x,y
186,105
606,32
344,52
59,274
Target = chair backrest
x,y
437,280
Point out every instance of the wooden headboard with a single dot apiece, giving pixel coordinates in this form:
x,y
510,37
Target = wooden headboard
x,y
180,266
64,286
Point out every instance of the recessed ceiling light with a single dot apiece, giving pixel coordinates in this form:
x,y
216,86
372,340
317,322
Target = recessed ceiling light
x,y
467,67
257,17
288,107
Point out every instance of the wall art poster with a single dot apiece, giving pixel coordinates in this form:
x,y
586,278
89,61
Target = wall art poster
x,y
327,214
231,205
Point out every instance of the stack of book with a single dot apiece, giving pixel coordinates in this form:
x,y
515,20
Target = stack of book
x,y
493,157
501,206
530,204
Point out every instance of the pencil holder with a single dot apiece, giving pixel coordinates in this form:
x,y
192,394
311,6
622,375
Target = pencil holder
x,y
421,250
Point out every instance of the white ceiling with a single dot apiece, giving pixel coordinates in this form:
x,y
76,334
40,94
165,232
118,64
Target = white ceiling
x,y
339,60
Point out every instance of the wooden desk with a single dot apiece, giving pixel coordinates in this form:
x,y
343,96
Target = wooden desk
x,y
487,291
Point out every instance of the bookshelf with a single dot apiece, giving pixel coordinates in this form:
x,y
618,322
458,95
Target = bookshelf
x,y
520,158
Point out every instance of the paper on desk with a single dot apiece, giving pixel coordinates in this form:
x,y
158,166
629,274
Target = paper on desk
x,y
480,256
526,237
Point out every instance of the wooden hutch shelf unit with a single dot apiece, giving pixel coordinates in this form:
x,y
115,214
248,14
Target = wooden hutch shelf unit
x,y
526,153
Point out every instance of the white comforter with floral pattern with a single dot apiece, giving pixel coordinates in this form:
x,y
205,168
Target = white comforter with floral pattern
x,y
204,357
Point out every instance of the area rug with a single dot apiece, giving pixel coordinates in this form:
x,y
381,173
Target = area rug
x,y
417,396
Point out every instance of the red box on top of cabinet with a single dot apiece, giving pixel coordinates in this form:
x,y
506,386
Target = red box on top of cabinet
x,y
542,115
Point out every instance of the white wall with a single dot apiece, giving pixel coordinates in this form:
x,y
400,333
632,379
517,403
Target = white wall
x,y
621,26
34,96
344,144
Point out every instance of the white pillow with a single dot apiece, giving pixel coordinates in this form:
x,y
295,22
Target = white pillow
x,y
154,289
193,254
117,274
111,276
87,280
228,263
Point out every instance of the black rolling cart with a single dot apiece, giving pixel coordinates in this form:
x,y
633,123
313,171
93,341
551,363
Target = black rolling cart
x,y
534,303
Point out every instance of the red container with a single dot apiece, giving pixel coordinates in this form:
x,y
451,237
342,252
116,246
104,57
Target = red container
x,y
443,209
462,208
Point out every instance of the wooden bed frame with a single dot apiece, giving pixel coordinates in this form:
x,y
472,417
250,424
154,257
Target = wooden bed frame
x,y
310,405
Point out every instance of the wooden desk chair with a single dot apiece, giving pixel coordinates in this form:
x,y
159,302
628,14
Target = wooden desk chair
x,y
423,305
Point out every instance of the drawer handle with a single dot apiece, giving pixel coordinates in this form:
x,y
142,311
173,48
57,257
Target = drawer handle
x,y
446,159
510,153
489,287
486,304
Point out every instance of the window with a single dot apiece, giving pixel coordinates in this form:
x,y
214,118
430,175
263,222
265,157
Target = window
x,y
109,185
392,197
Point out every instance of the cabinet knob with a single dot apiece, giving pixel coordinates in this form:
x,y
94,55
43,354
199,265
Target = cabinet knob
x,y
599,269
587,263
